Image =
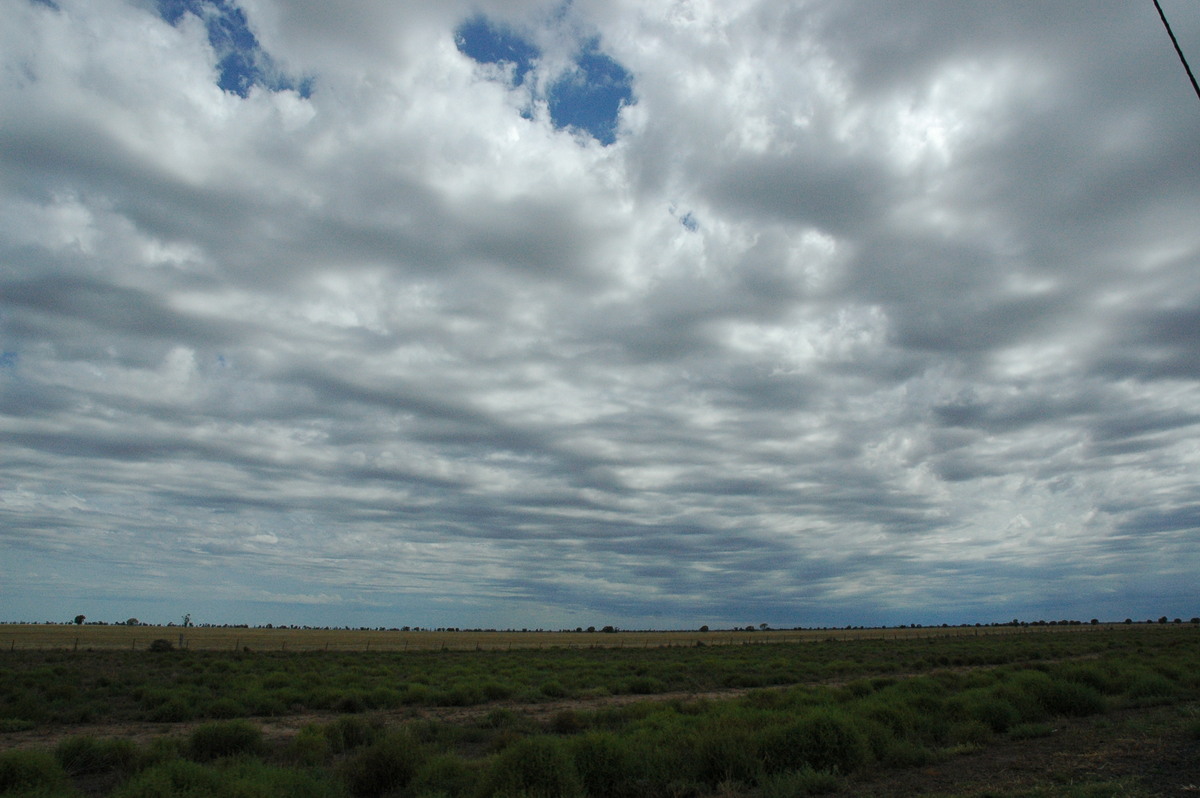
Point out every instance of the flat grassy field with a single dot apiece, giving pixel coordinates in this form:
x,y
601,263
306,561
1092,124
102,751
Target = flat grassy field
x,y
1076,711
210,638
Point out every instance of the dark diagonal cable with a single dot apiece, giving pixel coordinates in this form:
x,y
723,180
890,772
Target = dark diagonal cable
x,y
1175,42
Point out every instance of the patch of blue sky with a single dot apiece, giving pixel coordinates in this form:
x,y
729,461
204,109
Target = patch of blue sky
x,y
588,97
689,221
486,43
8,360
242,62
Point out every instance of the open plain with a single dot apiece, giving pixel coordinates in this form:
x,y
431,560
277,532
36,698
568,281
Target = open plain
x,y
1080,710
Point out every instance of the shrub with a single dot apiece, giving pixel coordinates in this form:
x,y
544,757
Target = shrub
x,y
1071,699
971,733
446,775
535,767
495,691
1104,680
988,708
30,771
225,707
174,710
309,748
1030,731
720,752
793,783
1148,687
1021,692
80,755
350,703
160,645
349,732
384,766
566,721
553,689
644,685
241,779
227,738
899,753
825,740
175,778
604,764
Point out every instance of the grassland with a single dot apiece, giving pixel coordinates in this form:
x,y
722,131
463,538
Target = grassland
x,y
1089,710
219,638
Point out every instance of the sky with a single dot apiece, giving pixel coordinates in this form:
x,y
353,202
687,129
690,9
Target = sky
x,y
646,313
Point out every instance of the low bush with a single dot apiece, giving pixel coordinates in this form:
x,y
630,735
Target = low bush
x,y
30,772
719,752
386,765
235,779
174,710
226,738
899,753
175,778
824,740
446,775
553,689
796,783
225,708
987,707
1147,688
309,748
535,767
350,732
567,721
82,755
971,733
1030,731
1072,699
604,763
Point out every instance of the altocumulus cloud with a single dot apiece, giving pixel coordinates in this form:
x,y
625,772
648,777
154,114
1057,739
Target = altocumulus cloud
x,y
545,314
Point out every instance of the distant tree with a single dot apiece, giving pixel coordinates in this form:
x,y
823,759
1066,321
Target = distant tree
x,y
591,628
609,629
1129,620
764,626
1163,619
187,619
79,619
1095,621
132,622
704,628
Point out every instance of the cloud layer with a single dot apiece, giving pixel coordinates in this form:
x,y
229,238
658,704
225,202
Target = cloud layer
x,y
862,313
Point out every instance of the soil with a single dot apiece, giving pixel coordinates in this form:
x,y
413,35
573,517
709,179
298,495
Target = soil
x,y
1139,752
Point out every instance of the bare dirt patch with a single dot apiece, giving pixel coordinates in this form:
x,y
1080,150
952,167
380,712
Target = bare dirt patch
x,y
1139,752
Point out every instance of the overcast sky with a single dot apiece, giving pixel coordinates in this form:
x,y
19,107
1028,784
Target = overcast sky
x,y
646,313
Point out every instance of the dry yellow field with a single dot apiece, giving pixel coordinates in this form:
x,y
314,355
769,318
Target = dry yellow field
x,y
89,636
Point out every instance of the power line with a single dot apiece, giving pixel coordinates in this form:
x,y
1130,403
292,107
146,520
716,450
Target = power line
x,y
1175,42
